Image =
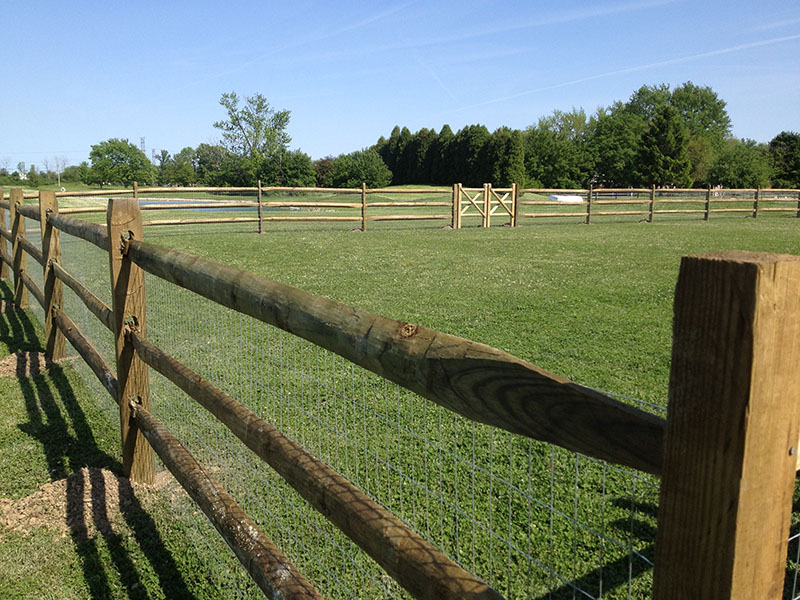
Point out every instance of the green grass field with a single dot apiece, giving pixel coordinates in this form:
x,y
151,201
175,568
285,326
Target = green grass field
x,y
592,303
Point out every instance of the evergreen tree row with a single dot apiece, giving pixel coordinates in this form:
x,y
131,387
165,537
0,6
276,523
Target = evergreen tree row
x,y
662,137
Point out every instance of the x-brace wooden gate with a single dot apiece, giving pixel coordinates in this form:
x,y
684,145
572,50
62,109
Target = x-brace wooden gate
x,y
486,202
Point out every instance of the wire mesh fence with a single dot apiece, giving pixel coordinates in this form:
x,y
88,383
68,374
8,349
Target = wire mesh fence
x,y
531,519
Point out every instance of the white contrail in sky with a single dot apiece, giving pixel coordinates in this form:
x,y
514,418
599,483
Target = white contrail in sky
x,y
662,63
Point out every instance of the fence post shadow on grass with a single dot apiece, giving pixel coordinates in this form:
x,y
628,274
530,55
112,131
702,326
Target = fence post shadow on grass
x,y
618,573
57,420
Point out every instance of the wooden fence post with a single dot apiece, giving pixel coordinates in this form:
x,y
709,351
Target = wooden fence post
x,y
755,202
732,428
53,294
128,303
589,205
260,209
3,246
363,206
487,205
18,256
708,204
454,219
461,191
652,203
514,204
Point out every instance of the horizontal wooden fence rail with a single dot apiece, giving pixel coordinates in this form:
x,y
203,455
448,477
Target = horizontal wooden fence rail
x,y
88,353
91,232
477,381
274,574
34,289
96,306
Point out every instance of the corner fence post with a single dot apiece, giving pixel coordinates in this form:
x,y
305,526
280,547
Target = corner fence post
x,y
55,342
732,428
3,246
128,303
19,257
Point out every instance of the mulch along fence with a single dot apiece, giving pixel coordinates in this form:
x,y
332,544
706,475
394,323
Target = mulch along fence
x,y
457,206
726,455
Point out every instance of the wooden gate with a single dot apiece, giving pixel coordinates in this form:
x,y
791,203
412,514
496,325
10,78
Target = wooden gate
x,y
484,202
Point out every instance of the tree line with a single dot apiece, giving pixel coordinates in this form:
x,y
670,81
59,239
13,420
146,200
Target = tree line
x,y
660,136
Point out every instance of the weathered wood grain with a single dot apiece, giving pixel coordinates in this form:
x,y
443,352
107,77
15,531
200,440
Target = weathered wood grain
x,y
124,223
274,574
89,354
31,286
91,232
732,428
32,251
19,257
96,306
5,258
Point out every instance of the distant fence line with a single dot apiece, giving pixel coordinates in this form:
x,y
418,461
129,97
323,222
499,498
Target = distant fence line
x,y
466,206
727,453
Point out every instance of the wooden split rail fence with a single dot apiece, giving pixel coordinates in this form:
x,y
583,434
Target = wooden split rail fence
x,y
465,206
727,454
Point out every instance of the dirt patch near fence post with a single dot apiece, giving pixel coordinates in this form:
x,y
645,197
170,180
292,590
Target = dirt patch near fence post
x,y
87,502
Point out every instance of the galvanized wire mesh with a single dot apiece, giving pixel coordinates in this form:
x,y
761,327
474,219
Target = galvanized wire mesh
x,y
530,519
533,520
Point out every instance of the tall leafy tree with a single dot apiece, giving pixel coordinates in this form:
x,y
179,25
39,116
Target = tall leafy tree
x,y
165,168
254,129
663,156
404,163
703,112
441,162
556,151
648,100
184,167
350,170
389,149
323,170
614,146
784,150
468,155
506,155
741,164
117,161
208,161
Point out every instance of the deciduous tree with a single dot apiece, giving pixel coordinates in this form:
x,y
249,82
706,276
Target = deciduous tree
x,y
741,164
117,161
663,156
254,129
784,150
350,170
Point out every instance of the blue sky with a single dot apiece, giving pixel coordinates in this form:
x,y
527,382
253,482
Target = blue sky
x,y
80,72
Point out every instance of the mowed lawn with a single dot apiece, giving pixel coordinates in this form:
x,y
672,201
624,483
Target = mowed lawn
x,y
592,303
